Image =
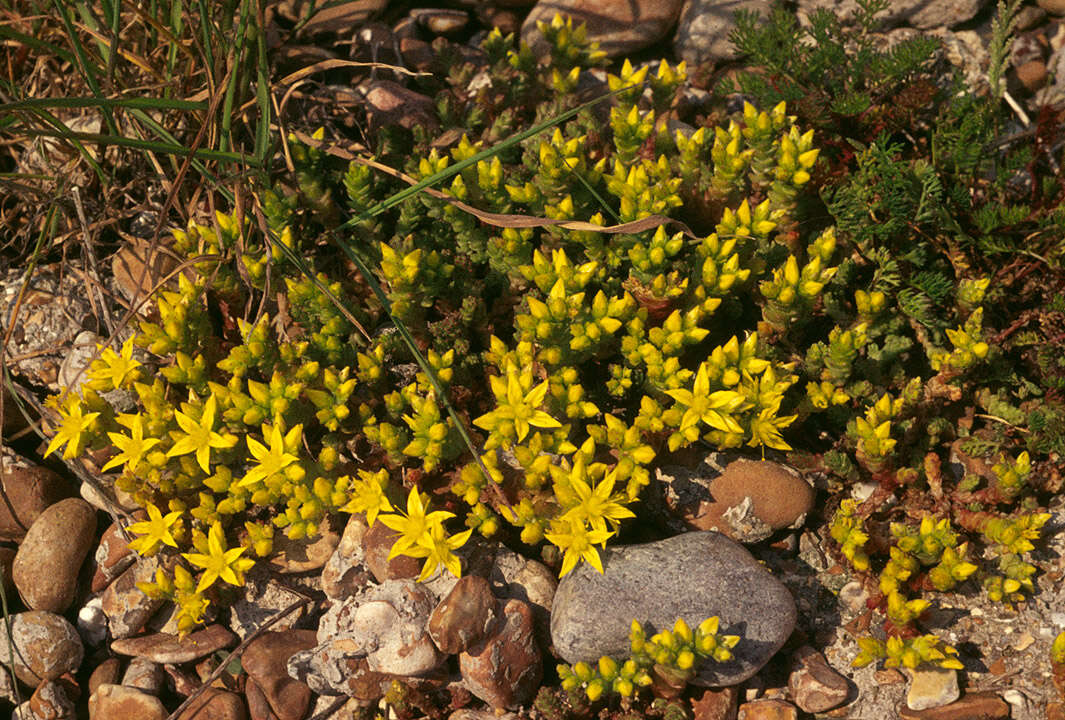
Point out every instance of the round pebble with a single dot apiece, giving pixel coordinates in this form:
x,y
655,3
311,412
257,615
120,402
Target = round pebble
x,y
46,646
47,563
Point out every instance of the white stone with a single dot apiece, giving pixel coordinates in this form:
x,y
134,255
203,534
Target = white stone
x,y
92,622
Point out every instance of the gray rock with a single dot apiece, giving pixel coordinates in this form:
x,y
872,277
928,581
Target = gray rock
x,y
691,576
916,13
704,27
619,26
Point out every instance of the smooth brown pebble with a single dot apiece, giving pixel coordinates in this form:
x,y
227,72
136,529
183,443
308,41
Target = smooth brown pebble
x,y
215,704
111,702
265,662
106,673
1032,74
463,617
28,490
167,648
47,563
767,710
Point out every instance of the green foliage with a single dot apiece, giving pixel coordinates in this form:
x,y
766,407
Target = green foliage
x,y
672,655
1002,28
910,652
835,72
836,282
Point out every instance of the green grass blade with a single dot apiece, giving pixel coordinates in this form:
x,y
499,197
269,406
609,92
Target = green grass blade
x,y
115,12
142,103
43,46
236,74
88,69
177,25
166,136
165,148
61,130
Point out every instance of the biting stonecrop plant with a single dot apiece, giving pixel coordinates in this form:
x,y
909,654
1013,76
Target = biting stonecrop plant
x,y
682,286
672,656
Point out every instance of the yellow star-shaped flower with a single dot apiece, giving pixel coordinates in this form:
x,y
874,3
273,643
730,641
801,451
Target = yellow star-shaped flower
x,y
154,532
75,423
415,526
578,543
131,447
597,506
219,562
199,436
521,410
437,549
114,370
271,460
712,408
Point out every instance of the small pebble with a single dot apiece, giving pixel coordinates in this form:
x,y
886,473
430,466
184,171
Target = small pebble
x,y
932,687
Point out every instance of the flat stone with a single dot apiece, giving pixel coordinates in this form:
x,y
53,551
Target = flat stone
x,y
768,710
46,646
692,576
377,543
389,103
112,557
263,598
973,706
167,648
342,18
1054,7
932,687
138,268
107,672
126,607
46,565
116,701
619,26
51,701
328,674
305,554
745,499
145,675
345,571
916,13
815,685
716,704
